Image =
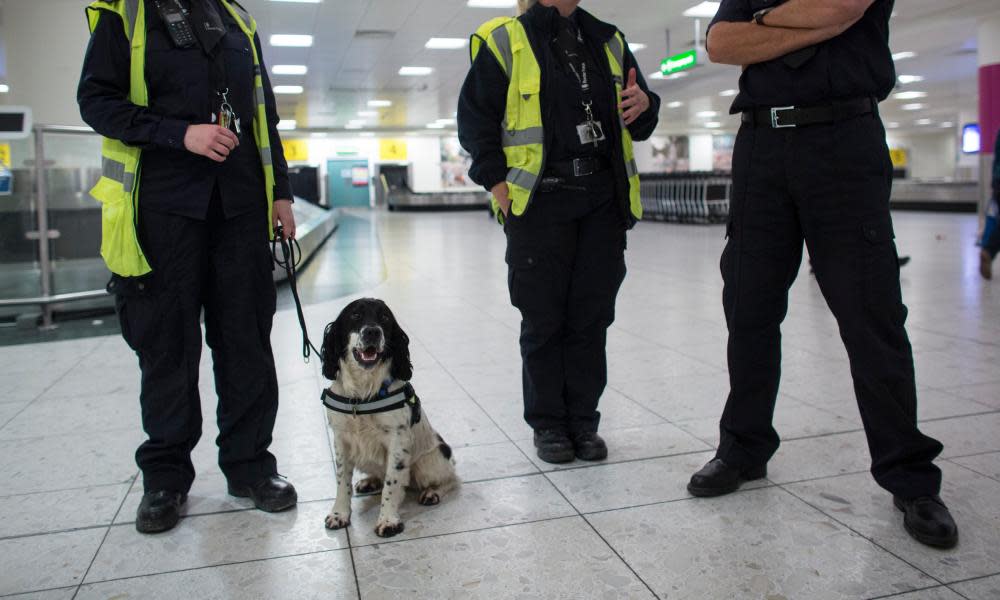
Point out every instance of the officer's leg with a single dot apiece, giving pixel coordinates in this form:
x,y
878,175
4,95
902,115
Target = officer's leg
x,y
759,264
845,211
160,320
539,259
239,308
598,272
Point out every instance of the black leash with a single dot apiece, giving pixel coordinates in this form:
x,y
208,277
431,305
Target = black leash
x,y
291,256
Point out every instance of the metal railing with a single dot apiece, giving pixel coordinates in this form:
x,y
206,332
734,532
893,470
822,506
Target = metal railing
x,y
72,174
686,197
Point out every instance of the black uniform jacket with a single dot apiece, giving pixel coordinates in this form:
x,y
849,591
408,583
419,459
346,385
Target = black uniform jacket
x,y
181,93
482,104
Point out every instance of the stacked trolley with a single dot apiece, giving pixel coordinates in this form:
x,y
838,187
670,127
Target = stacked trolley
x,y
686,197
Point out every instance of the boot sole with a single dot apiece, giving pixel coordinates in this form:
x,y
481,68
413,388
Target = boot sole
x,y
707,492
928,540
556,457
159,526
593,456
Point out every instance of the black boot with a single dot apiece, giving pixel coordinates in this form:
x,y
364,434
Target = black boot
x,y
553,446
271,494
928,521
717,478
159,511
589,446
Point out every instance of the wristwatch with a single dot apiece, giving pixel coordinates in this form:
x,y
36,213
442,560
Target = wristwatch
x,y
758,17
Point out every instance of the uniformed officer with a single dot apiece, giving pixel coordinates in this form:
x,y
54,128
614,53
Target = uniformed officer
x,y
811,163
178,89
548,112
991,243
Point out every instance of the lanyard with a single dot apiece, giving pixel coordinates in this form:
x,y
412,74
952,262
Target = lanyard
x,y
571,52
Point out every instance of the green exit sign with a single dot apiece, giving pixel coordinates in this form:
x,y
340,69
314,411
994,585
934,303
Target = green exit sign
x,y
679,62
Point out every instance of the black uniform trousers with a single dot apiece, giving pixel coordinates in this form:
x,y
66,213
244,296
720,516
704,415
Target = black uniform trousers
x,y
224,267
566,262
829,185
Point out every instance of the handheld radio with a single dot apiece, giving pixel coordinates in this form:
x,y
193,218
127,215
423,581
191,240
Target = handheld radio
x,y
175,19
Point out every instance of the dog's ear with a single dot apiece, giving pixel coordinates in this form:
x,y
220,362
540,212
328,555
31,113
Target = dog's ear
x,y
399,352
332,350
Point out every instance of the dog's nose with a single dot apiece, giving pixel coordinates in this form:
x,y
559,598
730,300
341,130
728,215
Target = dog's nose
x,y
371,335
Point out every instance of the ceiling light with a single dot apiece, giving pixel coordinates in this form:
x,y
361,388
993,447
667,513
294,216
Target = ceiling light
x,y
367,113
909,95
675,104
707,114
903,55
294,41
289,69
635,46
923,121
4,88
905,79
379,103
288,89
914,106
415,71
492,3
713,124
435,126
445,121
287,124
705,10
945,124
677,75
436,43
656,75
892,125
728,93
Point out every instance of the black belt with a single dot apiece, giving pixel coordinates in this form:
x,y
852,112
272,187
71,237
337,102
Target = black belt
x,y
578,167
780,117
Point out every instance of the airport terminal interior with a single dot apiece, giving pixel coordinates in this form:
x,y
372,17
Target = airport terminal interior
x,y
367,92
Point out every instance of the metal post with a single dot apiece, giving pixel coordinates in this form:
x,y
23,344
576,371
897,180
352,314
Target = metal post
x,y
42,209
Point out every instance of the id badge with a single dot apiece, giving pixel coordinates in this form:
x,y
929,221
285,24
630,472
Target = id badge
x,y
590,132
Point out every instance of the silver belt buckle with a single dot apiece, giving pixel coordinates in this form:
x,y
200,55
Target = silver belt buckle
x,y
774,117
578,169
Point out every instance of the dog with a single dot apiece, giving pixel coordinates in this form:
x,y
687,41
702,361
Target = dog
x,y
366,355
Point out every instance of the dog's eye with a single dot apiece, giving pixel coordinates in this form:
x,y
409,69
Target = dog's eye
x,y
355,316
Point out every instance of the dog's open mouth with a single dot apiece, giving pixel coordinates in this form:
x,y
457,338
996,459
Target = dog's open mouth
x,y
367,357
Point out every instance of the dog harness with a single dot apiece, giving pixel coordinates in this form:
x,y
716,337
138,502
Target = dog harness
x,y
379,403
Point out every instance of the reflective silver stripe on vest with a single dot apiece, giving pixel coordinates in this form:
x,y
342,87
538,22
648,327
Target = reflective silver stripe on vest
x,y
521,178
618,80
631,169
256,69
114,170
364,407
258,95
618,51
131,14
265,156
532,135
501,37
242,13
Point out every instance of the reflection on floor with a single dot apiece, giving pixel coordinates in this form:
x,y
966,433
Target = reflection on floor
x,y
816,528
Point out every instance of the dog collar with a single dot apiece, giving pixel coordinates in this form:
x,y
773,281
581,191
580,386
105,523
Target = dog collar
x,y
381,402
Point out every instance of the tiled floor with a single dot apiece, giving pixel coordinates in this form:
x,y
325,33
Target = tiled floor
x,y
817,528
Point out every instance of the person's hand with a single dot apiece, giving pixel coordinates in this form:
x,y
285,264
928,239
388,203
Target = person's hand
x,y
634,100
283,215
502,193
211,141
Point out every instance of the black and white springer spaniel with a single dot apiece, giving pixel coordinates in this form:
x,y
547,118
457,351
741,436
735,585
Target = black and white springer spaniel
x,y
378,425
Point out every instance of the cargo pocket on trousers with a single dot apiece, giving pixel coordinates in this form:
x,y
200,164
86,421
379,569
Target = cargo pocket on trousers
x,y
132,305
881,268
521,267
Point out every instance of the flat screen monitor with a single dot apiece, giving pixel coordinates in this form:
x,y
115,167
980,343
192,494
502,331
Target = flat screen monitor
x,y
970,138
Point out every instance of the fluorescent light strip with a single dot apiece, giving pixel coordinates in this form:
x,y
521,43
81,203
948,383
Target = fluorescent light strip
x,y
905,79
492,3
415,71
436,43
914,106
291,40
705,10
288,89
909,95
635,46
289,69
903,55
379,103
707,114
923,121
728,93
713,124
675,104
287,124
4,88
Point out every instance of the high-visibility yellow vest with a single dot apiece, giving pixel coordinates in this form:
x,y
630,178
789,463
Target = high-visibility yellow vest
x,y
118,188
523,137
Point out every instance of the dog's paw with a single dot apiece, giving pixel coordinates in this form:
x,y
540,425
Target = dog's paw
x,y
429,498
336,520
368,485
388,529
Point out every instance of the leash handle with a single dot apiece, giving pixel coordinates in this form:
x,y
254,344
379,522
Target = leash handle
x,y
291,255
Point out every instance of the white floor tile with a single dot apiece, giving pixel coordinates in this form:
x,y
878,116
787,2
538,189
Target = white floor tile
x,y
47,561
58,511
987,588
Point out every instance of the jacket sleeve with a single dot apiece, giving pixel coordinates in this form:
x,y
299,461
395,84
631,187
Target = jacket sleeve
x,y
481,108
104,88
645,124
282,185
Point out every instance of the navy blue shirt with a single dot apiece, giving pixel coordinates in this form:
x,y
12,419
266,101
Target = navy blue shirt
x,y
181,93
857,63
